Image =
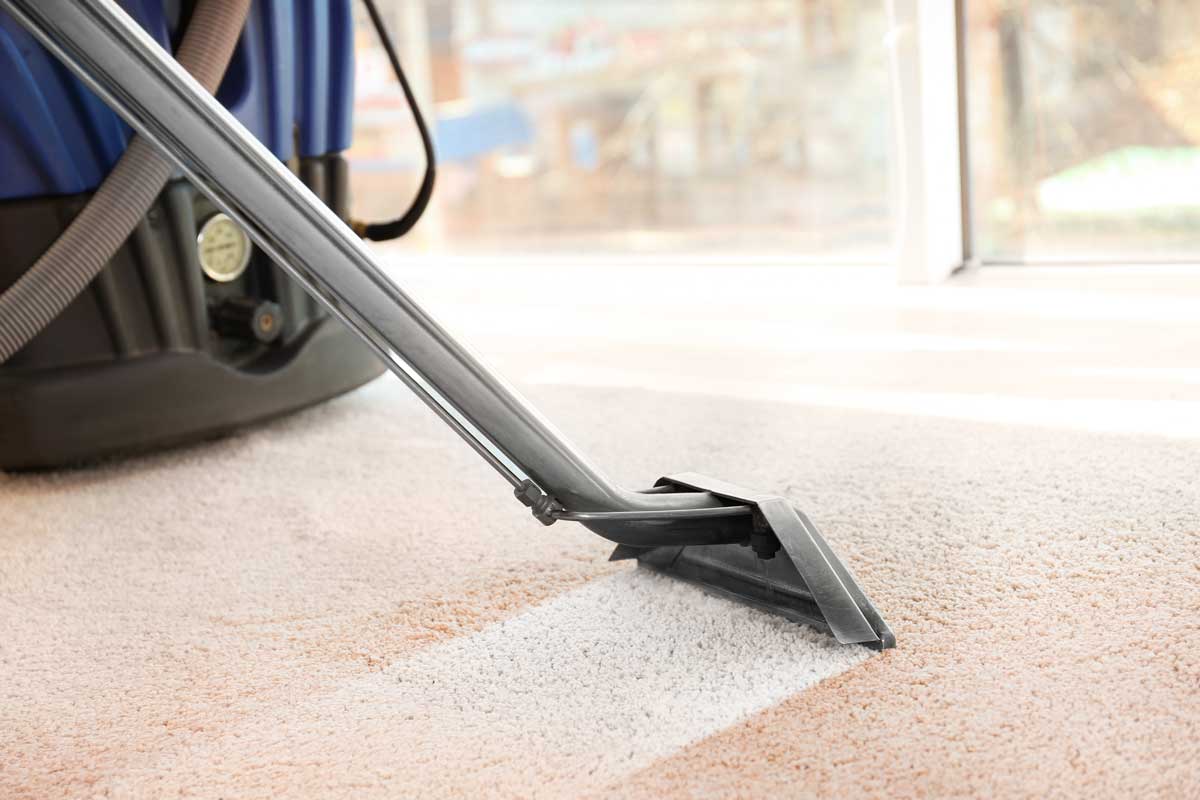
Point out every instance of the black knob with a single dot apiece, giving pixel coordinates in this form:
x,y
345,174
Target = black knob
x,y
247,318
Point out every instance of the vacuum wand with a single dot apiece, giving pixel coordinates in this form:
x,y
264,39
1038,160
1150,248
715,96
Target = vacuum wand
x,y
673,527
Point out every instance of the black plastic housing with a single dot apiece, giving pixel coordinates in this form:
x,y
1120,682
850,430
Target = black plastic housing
x,y
144,358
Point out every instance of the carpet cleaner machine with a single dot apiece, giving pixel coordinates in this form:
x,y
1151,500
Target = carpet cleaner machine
x,y
177,262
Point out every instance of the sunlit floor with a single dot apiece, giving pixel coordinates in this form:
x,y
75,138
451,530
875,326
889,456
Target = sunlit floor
x,y
1095,348
348,602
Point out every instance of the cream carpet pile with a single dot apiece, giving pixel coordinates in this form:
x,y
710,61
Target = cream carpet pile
x,y
348,603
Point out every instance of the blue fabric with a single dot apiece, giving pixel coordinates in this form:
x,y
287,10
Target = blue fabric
x,y
293,69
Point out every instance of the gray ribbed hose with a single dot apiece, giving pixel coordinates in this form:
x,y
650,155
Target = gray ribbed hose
x,y
120,202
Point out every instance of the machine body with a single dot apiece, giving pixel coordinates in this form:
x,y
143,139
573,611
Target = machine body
x,y
190,330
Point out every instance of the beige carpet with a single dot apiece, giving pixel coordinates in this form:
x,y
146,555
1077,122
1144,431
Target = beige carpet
x,y
346,603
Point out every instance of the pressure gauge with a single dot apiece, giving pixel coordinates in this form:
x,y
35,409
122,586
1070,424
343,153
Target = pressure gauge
x,y
223,248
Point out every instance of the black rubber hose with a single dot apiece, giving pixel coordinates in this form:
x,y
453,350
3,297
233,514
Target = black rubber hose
x,y
385,231
121,201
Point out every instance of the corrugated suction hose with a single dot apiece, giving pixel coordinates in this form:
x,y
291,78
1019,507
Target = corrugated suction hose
x,y
120,202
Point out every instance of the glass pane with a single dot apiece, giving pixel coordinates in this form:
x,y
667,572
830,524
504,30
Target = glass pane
x,y
746,127
1084,119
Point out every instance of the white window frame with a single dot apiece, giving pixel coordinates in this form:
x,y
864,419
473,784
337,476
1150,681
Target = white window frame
x,y
931,195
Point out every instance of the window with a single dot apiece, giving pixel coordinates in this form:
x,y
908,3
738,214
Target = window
x,y
1084,118
755,127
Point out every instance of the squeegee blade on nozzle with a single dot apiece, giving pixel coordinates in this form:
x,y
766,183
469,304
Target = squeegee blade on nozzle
x,y
804,581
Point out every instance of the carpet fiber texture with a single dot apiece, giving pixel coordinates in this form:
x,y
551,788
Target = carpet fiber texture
x,y
346,603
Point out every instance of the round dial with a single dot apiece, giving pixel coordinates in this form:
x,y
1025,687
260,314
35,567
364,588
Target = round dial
x,y
223,247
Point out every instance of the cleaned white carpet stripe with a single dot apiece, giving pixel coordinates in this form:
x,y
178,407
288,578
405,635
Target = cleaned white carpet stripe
x,y
573,694
595,684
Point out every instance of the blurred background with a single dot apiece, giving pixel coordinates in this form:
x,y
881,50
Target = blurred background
x,y
765,127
